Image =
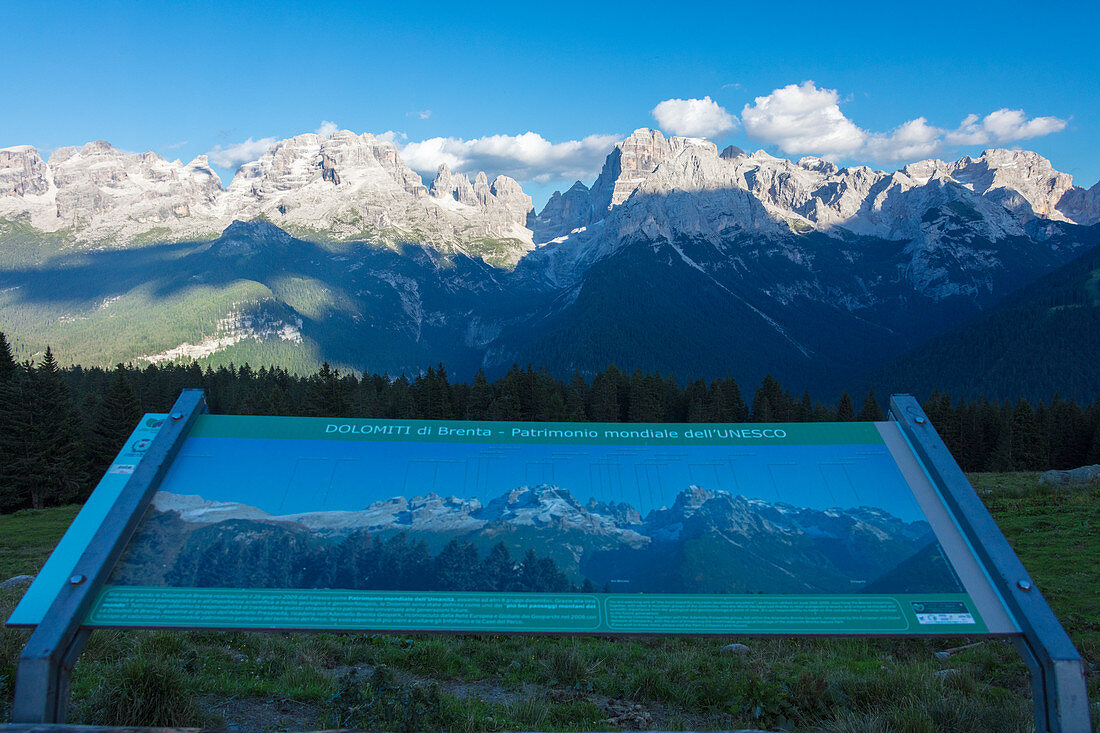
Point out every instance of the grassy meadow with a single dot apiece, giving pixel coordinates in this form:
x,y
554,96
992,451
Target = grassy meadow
x,y
279,681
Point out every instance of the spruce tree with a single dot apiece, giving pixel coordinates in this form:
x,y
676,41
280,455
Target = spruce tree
x,y
647,398
604,405
506,404
498,570
762,408
113,420
1027,443
19,457
575,399
327,395
481,394
845,410
871,411
10,494
58,433
771,403
39,439
7,363
1001,457
805,408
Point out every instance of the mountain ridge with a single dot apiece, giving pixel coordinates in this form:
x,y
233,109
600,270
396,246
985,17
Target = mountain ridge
x,y
707,541
674,259
354,186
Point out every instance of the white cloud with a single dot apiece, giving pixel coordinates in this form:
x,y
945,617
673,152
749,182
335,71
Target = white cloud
x,y
802,119
693,117
424,114
232,156
392,137
175,146
327,128
913,140
526,157
1003,126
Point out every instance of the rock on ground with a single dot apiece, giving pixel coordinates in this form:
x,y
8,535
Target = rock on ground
x,y
1072,477
17,582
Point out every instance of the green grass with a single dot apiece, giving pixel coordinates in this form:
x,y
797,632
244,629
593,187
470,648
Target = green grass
x,y
492,683
27,538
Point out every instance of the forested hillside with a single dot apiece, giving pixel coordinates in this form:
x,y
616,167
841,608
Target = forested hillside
x,y
60,427
1045,334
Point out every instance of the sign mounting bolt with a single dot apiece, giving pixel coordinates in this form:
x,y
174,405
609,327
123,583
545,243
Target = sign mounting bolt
x,y
177,415
1024,585
77,579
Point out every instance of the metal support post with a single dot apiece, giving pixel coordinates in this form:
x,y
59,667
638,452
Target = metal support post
x,y
1058,672
46,664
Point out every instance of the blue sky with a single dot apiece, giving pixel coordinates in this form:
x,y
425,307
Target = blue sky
x,y
291,476
184,79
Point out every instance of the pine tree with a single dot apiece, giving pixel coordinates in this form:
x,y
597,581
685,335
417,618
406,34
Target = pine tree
x,y
58,431
433,393
1001,457
18,440
506,403
762,408
1027,441
647,398
604,404
771,402
11,492
805,408
326,395
113,420
575,398
456,567
40,439
1094,447
481,394
7,363
871,411
845,410
498,570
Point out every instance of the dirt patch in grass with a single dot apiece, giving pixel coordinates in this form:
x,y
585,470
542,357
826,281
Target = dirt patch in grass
x,y
258,714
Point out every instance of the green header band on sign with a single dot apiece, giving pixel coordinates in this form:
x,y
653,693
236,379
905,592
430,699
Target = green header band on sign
x,y
565,433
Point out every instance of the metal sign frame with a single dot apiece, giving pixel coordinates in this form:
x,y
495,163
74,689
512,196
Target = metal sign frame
x,y
1060,698
46,664
1057,669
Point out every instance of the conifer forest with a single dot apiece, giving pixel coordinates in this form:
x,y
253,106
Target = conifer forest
x,y
60,427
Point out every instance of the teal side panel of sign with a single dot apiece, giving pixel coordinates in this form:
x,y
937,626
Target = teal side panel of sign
x,y
58,568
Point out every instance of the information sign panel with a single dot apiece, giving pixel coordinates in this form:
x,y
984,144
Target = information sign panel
x,y
303,523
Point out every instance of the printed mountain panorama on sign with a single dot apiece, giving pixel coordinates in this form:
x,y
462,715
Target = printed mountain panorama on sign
x,y
677,259
539,539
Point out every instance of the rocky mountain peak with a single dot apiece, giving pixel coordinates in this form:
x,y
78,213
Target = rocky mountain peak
x,y
622,513
692,498
1023,182
818,165
357,186
457,187
23,172
102,191
639,156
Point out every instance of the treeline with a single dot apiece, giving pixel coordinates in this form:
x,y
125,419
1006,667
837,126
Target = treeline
x,y
61,427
